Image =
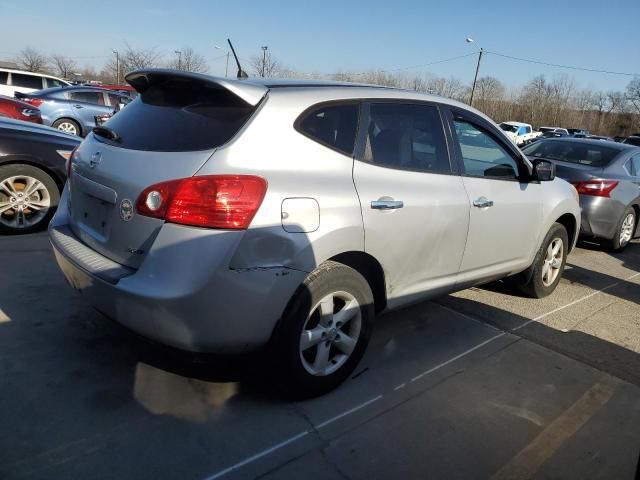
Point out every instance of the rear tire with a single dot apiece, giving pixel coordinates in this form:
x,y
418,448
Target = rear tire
x,y
68,126
28,199
544,274
624,231
324,331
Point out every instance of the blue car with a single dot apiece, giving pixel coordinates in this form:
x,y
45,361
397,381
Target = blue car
x,y
74,110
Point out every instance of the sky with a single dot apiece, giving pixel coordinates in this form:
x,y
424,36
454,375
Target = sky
x,y
331,36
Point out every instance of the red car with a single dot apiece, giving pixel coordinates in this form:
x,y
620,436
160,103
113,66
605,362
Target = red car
x,y
12,108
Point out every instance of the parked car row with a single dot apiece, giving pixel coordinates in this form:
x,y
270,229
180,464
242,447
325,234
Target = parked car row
x,y
74,109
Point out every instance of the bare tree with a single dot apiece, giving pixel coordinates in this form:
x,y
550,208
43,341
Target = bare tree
x,y
446,87
131,59
266,64
63,66
32,60
190,61
633,93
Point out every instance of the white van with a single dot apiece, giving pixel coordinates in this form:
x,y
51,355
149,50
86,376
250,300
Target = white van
x,y
12,81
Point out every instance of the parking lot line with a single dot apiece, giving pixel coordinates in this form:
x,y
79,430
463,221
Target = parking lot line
x,y
582,299
453,359
526,463
502,333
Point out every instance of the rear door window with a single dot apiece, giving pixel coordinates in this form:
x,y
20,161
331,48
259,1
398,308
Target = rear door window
x,y
4,77
26,81
96,98
333,125
406,136
180,116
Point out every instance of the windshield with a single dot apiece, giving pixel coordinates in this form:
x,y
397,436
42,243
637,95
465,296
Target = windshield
x,y
572,152
508,128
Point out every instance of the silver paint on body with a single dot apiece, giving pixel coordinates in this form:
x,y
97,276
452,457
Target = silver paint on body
x,y
217,290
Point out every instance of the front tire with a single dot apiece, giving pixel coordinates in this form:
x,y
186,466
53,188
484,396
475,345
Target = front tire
x,y
544,274
624,232
28,199
325,330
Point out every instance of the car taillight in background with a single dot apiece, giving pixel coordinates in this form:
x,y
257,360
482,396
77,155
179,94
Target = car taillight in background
x,y
213,201
36,102
597,188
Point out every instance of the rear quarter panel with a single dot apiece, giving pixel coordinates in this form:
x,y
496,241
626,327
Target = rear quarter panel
x,y
294,167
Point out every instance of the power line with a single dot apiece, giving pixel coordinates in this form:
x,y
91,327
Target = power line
x,y
569,67
412,67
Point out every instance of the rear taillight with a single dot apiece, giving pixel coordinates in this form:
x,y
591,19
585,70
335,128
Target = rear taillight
x,y
36,102
597,188
213,201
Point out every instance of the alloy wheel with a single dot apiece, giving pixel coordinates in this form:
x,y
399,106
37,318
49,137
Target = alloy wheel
x,y
24,201
68,127
330,333
626,230
552,261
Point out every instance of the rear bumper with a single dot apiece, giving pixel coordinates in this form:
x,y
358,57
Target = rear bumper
x,y
600,216
184,295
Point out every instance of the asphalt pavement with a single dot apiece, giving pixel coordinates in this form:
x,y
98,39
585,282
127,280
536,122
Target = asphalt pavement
x,y
479,384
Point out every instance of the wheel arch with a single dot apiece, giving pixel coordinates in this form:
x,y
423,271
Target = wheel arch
x,y
34,162
570,223
367,266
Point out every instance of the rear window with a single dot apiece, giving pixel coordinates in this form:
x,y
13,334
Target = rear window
x,y
332,125
572,152
180,117
3,78
26,81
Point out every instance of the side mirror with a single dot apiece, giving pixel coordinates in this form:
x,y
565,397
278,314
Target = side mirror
x,y
544,170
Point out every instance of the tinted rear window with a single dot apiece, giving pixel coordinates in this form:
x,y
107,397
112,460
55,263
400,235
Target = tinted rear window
x,y
180,117
573,152
332,125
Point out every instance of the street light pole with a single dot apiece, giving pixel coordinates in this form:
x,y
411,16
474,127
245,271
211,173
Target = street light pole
x,y
179,58
117,66
226,67
475,79
264,58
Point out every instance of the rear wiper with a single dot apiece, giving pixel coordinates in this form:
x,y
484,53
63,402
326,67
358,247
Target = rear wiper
x,y
107,133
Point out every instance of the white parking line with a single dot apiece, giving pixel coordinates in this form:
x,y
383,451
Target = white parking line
x,y
303,434
290,440
582,299
263,453
453,359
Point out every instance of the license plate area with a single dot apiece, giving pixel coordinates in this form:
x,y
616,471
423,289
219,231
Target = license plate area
x,y
94,216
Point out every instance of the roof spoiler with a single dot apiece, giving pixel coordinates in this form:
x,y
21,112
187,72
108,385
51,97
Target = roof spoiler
x,y
141,80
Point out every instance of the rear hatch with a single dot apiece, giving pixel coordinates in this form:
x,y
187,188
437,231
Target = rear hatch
x,y
169,131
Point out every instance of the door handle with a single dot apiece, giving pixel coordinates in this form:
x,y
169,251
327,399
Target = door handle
x,y
387,204
77,106
482,202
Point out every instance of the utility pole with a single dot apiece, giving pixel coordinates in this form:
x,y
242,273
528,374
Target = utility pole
x,y
264,58
475,79
117,66
179,58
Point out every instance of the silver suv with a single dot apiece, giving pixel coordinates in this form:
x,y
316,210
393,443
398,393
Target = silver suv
x,y
219,215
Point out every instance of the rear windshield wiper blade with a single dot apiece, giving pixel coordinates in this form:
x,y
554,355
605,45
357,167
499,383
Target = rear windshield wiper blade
x,y
107,133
